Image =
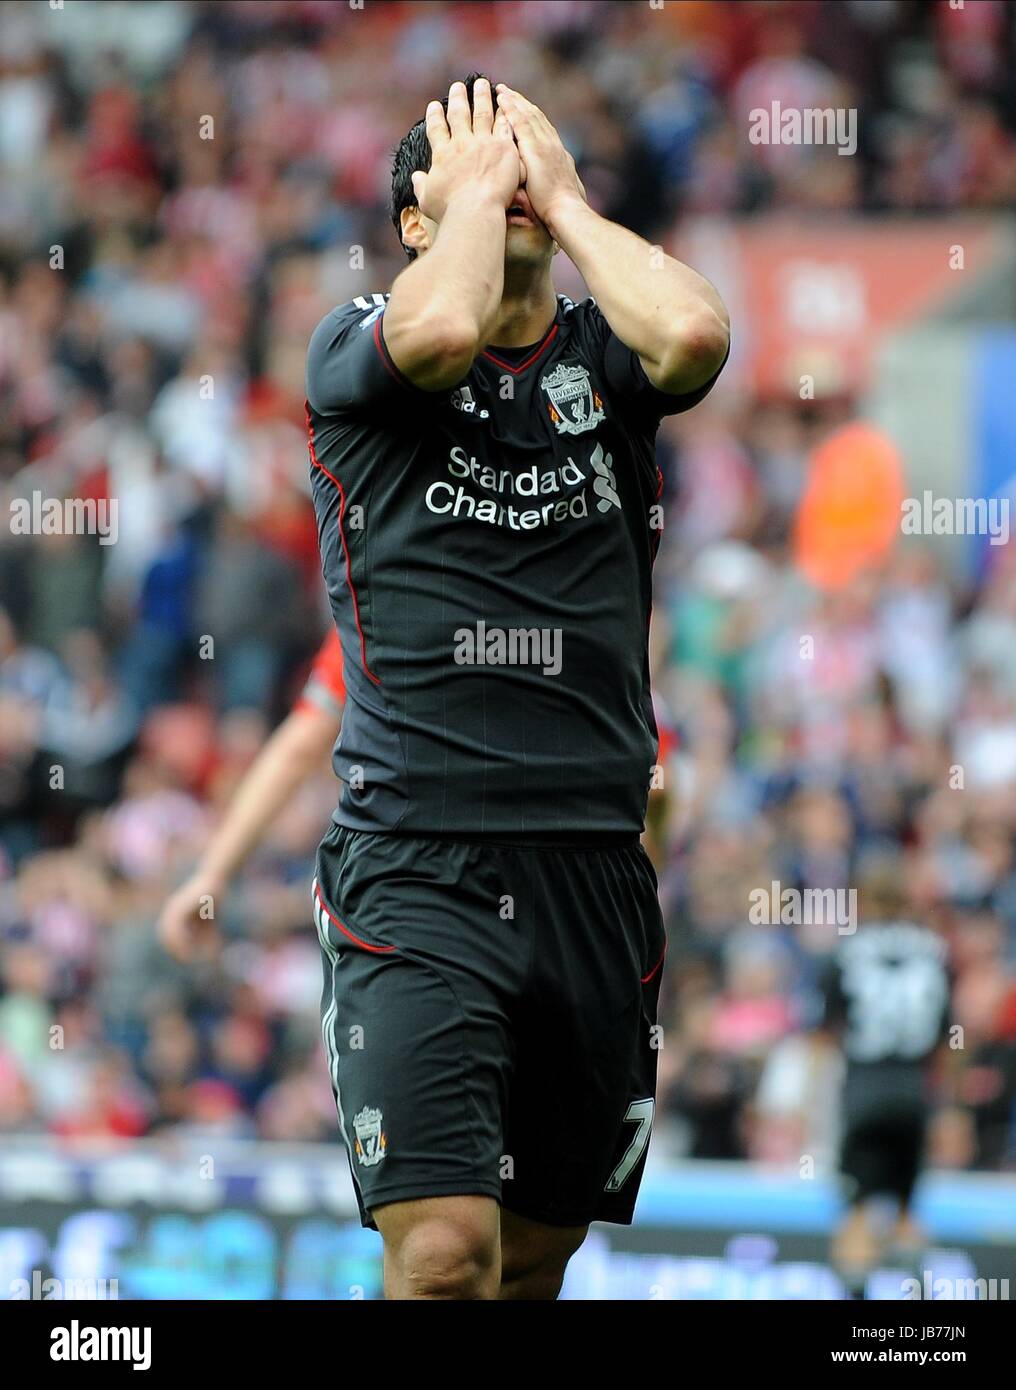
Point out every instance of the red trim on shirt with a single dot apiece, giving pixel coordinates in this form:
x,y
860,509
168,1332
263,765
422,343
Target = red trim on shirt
x,y
342,536
382,348
537,352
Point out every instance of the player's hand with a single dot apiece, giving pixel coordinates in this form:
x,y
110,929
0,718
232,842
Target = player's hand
x,y
550,175
187,922
473,153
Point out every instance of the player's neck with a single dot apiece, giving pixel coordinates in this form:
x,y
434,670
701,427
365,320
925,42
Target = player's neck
x,y
527,310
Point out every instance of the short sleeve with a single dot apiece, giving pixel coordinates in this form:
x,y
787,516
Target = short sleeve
x,y
348,364
625,377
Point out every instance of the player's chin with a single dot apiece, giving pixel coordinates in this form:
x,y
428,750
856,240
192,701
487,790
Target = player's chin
x,y
530,244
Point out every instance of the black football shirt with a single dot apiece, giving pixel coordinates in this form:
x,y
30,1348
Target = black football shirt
x,y
887,992
488,556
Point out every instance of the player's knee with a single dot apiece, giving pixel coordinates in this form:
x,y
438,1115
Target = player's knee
x,y
446,1259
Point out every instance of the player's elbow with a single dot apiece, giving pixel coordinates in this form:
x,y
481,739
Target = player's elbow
x,y
440,353
454,350
709,339
696,351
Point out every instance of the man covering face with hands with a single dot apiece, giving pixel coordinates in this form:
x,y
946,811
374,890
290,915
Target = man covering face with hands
x,y
486,488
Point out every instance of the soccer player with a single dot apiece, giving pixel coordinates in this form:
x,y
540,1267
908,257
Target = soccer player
x,y
484,475
295,751
887,1000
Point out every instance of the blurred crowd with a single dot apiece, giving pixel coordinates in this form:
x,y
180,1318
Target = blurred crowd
x,y
185,189
828,739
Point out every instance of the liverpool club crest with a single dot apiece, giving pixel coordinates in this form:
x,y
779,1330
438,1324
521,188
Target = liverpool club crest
x,y
574,405
371,1141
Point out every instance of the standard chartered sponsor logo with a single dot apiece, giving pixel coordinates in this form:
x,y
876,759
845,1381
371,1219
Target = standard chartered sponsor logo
x,y
548,495
604,484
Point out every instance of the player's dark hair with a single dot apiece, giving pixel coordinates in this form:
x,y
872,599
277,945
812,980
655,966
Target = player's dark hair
x,y
412,155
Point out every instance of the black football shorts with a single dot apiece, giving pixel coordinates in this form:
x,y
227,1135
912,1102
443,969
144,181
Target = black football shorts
x,y
883,1149
489,1016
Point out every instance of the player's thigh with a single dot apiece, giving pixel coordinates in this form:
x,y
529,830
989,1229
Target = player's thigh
x,y
909,1150
418,1068
583,1088
414,1022
881,1153
580,1119
863,1160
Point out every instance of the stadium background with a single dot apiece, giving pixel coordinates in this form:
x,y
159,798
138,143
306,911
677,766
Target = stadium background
x,y
873,301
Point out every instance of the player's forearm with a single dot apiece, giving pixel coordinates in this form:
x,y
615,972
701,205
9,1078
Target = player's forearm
x,y
660,308
443,306
297,747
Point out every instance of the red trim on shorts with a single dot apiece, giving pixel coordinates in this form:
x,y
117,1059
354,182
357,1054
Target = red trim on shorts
x,y
647,978
345,548
364,945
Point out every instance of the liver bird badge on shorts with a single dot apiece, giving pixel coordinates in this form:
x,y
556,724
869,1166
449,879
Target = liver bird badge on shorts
x,y
371,1141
